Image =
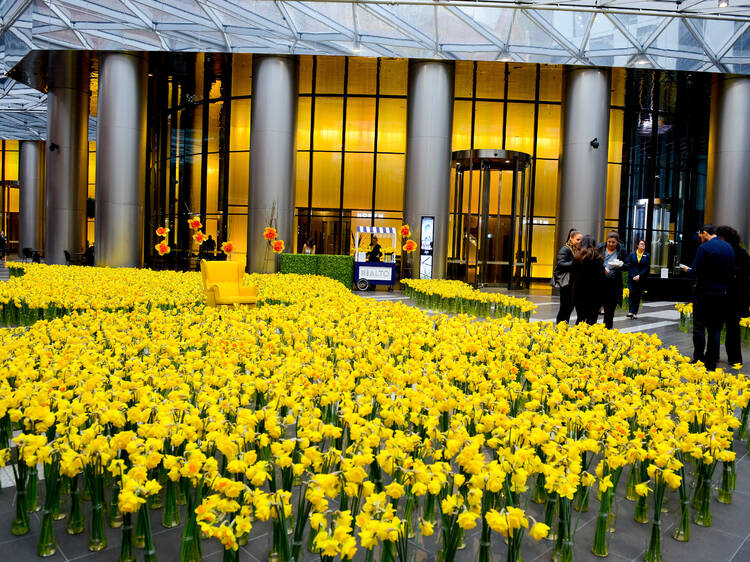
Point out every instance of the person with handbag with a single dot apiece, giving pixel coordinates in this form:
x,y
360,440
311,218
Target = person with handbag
x,y
561,275
615,260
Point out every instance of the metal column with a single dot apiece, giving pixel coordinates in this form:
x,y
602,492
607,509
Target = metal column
x,y
272,153
120,160
732,164
67,154
428,154
583,168
31,204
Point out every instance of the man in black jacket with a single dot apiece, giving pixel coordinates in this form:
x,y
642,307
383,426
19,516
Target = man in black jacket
x,y
713,269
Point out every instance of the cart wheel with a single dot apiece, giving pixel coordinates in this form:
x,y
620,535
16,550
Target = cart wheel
x,y
363,284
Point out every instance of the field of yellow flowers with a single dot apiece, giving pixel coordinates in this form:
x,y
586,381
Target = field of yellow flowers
x,y
349,425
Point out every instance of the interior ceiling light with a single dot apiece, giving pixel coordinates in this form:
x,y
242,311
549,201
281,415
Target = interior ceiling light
x,y
723,3
505,57
641,59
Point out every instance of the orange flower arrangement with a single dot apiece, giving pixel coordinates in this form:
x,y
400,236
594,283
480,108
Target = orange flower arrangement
x,y
270,233
162,231
410,246
199,237
278,246
162,248
195,223
405,231
227,247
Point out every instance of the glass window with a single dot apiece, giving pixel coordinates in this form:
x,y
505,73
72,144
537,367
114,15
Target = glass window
x,y
545,188
358,181
392,125
11,165
614,177
550,83
389,182
543,249
239,177
461,125
616,119
463,80
360,124
522,82
305,74
237,233
618,87
239,132
363,75
328,123
548,131
212,183
393,77
488,124
326,180
302,178
330,75
303,123
519,131
215,117
242,75
490,80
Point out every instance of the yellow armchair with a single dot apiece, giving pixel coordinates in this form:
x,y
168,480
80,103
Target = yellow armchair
x,y
222,282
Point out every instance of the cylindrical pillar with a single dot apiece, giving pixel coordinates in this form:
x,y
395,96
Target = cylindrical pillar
x,y
120,159
67,154
583,165
428,155
31,193
732,154
272,152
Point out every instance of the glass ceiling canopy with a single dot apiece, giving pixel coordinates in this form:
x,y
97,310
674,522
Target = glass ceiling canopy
x,y
698,35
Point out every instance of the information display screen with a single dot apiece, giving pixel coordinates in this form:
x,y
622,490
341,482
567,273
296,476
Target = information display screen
x,y
426,247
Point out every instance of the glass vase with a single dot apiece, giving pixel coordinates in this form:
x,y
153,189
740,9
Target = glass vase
x,y
550,513
539,494
98,540
47,546
653,553
601,534
190,550
563,550
726,486
114,517
20,524
171,515
126,548
32,501
149,551
75,521
630,484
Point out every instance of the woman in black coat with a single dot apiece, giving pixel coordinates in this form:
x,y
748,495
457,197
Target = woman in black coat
x,y
615,259
561,275
588,280
639,265
739,287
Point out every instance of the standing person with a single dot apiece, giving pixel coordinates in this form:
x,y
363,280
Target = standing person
x,y
712,268
588,280
375,253
614,260
309,246
737,293
639,264
561,275
3,245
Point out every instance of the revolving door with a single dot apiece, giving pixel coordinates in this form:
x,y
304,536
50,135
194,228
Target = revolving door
x,y
490,223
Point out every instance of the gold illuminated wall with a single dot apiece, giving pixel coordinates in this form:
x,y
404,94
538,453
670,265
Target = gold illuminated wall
x,y
614,157
351,145
499,105
10,193
91,191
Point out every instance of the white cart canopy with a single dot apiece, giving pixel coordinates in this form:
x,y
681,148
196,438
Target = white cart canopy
x,y
376,230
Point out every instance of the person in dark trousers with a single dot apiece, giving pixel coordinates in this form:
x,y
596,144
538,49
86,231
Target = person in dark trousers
x,y
615,259
639,265
561,275
737,294
713,269
588,280
3,245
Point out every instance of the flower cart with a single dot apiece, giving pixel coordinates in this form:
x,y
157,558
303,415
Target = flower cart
x,y
367,273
